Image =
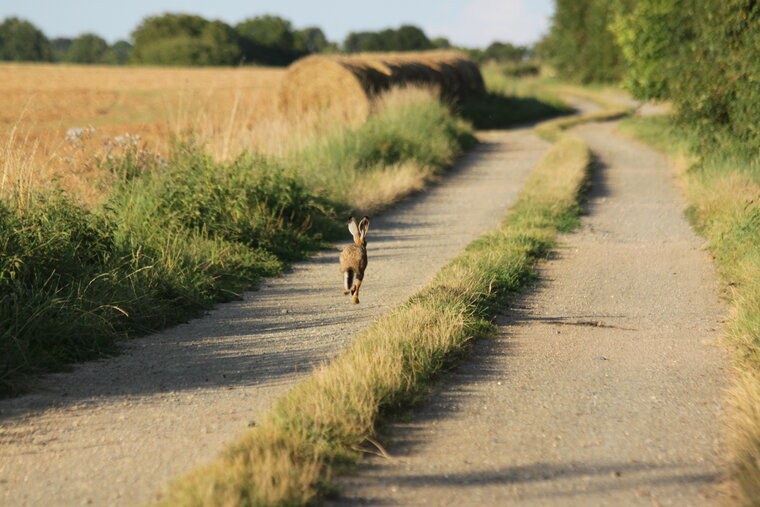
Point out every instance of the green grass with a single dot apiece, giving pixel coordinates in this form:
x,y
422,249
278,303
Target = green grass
x,y
509,101
723,193
177,236
319,427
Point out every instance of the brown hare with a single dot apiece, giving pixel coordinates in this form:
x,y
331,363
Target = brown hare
x,y
353,258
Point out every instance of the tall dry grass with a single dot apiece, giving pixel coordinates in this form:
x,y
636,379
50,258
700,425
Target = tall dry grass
x,y
228,110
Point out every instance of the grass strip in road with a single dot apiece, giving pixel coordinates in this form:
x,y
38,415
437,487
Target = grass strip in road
x,y
610,110
723,194
321,425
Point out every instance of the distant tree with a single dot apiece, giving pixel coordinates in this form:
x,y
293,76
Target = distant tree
x,y
22,41
441,43
88,48
269,40
311,39
270,31
405,38
60,46
580,44
357,42
410,38
182,39
506,52
121,50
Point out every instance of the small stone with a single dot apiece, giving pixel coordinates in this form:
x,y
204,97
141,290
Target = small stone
x,y
600,358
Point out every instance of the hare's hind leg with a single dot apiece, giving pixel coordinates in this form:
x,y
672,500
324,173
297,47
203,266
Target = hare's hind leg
x,y
348,280
355,291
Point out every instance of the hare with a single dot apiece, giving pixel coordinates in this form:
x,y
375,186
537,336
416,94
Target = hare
x,y
353,258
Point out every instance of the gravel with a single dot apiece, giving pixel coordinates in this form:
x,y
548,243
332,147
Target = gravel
x,y
602,387
112,432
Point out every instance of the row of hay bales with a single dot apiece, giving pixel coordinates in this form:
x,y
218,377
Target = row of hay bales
x,y
344,85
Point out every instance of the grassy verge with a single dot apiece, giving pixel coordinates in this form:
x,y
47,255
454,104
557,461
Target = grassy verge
x,y
610,109
723,193
177,235
319,427
509,101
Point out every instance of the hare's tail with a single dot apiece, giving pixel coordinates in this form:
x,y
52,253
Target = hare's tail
x,y
348,280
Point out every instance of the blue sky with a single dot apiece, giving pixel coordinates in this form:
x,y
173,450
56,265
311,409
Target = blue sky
x,y
471,23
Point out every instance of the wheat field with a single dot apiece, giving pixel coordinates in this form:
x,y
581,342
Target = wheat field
x,y
57,121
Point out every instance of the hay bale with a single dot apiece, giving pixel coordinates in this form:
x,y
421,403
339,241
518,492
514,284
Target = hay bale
x,y
344,85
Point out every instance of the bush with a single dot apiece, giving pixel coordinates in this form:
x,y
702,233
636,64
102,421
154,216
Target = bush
x,y
703,58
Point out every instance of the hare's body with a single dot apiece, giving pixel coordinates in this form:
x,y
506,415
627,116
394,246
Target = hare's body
x,y
353,258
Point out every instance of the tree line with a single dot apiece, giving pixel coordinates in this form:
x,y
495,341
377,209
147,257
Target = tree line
x,y
183,39
702,55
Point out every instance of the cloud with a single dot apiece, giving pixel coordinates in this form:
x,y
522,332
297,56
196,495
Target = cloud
x,y
481,22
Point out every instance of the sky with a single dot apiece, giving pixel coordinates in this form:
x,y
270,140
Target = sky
x,y
468,23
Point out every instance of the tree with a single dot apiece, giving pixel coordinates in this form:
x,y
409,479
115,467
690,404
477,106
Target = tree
x,y
580,44
405,38
88,48
269,40
506,52
22,41
357,42
702,56
311,39
60,46
410,38
441,43
121,50
268,31
181,39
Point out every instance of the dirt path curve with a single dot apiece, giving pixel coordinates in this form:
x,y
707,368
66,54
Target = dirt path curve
x,y
114,431
603,386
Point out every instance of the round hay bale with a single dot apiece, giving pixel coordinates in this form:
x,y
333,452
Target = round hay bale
x,y
344,85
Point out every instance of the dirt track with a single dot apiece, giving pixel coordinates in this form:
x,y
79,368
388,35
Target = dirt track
x,y
603,386
114,431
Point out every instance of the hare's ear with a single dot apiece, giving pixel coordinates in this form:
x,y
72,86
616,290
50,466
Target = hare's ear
x,y
353,228
363,227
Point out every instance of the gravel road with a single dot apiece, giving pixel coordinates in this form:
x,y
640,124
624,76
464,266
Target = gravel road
x,y
603,386
112,432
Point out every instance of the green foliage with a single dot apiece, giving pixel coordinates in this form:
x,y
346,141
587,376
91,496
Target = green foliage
x,y
181,39
59,48
502,52
703,57
22,41
651,37
88,48
441,43
120,52
311,39
270,40
423,131
508,102
580,45
405,38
